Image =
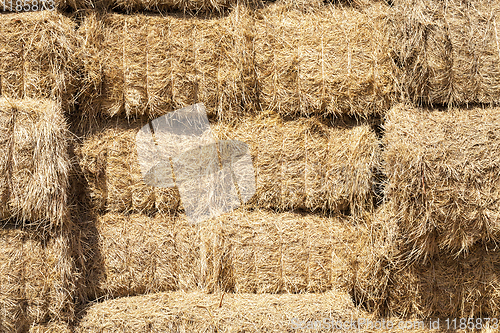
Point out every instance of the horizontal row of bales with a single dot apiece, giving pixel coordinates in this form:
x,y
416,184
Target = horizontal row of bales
x,y
277,60
399,218
350,61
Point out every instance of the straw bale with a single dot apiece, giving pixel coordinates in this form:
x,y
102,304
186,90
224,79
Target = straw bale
x,y
442,178
298,164
128,255
109,162
294,253
38,56
306,164
448,51
242,251
34,165
198,312
150,65
36,278
334,60
448,286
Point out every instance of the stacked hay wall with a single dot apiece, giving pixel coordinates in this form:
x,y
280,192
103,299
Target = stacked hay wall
x,y
34,165
448,51
150,65
37,278
442,179
298,164
334,60
39,58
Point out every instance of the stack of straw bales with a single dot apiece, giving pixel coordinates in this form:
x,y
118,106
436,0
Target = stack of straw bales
x,y
448,51
149,65
38,57
334,60
37,72
37,275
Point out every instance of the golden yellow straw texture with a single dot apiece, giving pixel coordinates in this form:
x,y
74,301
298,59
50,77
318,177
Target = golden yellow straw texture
x,y
39,56
34,163
448,51
442,179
